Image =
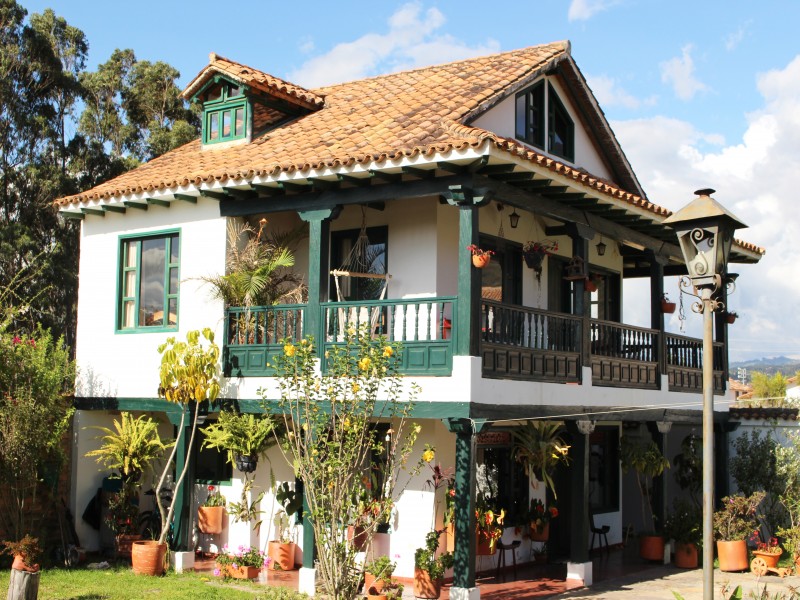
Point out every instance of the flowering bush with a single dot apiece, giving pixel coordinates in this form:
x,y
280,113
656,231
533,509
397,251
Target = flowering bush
x,y
490,524
737,519
476,251
245,556
770,547
214,497
541,514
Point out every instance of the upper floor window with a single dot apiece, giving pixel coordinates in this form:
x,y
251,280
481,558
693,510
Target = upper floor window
x,y
225,114
150,278
543,121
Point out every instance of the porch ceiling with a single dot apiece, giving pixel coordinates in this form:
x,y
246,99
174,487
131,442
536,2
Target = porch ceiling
x,y
625,414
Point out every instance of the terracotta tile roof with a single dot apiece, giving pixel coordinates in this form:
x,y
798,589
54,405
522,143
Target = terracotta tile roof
x,y
763,413
258,80
407,114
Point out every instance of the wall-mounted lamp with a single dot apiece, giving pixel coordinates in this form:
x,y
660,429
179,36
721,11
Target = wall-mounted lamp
x,y
601,247
514,219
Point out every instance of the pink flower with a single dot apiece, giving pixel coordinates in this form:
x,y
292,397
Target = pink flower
x,y
217,573
16,340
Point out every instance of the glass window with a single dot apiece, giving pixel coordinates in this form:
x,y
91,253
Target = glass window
x,y
238,124
150,281
533,128
560,128
604,469
502,482
213,126
226,123
211,464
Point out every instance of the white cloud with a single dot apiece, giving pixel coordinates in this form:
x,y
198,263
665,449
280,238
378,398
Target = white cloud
x,y
609,93
679,73
306,45
583,10
754,178
411,41
733,40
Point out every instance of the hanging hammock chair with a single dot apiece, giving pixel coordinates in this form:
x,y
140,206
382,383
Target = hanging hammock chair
x,y
358,264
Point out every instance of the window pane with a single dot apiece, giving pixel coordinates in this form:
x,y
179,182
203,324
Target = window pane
x,y
226,124
239,122
214,94
521,132
173,281
234,91
128,313
130,284
561,128
536,118
173,311
151,282
213,126
175,249
130,254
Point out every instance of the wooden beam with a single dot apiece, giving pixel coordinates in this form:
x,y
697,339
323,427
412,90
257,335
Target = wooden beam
x,y
139,205
513,176
293,186
158,202
356,181
267,190
113,208
213,195
451,167
98,212
390,177
564,196
494,169
346,196
67,214
420,173
324,184
186,198
240,194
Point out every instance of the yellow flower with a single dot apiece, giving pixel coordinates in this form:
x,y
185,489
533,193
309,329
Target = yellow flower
x,y
387,351
428,455
364,363
356,387
289,349
501,516
347,422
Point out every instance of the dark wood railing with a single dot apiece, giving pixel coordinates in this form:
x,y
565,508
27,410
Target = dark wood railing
x,y
684,363
528,343
623,355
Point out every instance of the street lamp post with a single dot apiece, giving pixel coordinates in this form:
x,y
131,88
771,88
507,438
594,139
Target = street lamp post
x,y
705,234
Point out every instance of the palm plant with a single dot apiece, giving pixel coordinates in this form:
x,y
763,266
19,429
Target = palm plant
x,y
540,447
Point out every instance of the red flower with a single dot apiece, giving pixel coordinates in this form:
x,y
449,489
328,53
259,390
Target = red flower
x,y
16,340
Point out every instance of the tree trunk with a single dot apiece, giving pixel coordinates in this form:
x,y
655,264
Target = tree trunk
x,y
23,585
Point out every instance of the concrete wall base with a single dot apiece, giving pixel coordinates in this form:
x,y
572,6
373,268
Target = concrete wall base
x,y
459,593
581,572
181,561
307,581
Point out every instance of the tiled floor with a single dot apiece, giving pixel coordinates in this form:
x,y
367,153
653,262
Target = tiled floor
x,y
530,581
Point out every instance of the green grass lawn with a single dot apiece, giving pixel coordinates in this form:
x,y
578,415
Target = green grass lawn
x,y
119,583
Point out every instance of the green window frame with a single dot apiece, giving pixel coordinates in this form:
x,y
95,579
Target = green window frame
x,y
149,282
543,121
225,117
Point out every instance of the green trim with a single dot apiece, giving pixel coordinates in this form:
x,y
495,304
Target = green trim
x,y
158,202
138,205
73,215
94,211
123,269
186,198
113,208
226,106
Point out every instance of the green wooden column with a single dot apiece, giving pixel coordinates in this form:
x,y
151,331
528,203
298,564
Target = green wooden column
x,y
318,251
464,565
180,517
579,494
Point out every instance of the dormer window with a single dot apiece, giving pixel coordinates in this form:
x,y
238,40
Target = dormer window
x,y
542,118
226,112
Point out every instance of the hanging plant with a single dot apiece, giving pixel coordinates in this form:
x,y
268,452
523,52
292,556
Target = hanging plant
x,y
667,307
534,254
480,257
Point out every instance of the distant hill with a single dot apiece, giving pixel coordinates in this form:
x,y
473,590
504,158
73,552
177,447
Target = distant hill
x,y
770,366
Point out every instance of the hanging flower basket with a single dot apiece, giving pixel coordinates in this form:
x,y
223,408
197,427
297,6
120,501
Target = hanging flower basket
x,y
667,307
534,254
730,317
480,258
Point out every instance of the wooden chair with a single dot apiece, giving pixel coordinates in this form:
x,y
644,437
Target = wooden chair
x,y
600,532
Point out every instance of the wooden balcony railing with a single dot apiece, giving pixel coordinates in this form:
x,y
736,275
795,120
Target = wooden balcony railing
x,y
623,355
684,364
527,343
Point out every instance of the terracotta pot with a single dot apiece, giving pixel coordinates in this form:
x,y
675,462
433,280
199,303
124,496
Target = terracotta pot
x,y
686,556
484,547
590,285
241,572
371,582
425,587
730,319
376,596
358,536
147,557
481,260
769,558
651,547
20,565
732,556
282,555
209,519
540,536
123,544
667,307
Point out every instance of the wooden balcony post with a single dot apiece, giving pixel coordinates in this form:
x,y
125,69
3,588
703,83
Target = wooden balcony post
x,y
318,250
656,314
578,516
580,235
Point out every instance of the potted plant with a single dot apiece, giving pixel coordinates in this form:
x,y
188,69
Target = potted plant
x,y
122,519
647,462
489,528
540,553
378,573
243,563
480,258
539,517
769,551
188,375
24,582
790,537
667,307
534,254
282,549
211,512
243,436
539,446
730,317
684,525
733,524
429,567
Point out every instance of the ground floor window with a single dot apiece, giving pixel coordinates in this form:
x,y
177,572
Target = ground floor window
x,y
604,469
501,480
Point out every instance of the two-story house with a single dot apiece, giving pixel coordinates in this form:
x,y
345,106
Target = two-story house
x,y
414,167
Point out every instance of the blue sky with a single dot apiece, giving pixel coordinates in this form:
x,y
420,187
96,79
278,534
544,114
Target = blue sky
x,y
700,94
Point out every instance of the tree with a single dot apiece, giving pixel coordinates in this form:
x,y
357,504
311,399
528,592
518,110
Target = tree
x,y
768,391
350,467
189,375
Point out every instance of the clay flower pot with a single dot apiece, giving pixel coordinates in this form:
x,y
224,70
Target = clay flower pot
x,y
540,536
425,587
770,558
282,555
686,556
651,547
667,307
481,260
732,555
147,557
209,519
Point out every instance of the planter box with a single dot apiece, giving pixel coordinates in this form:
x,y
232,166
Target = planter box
x,y
240,572
209,519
